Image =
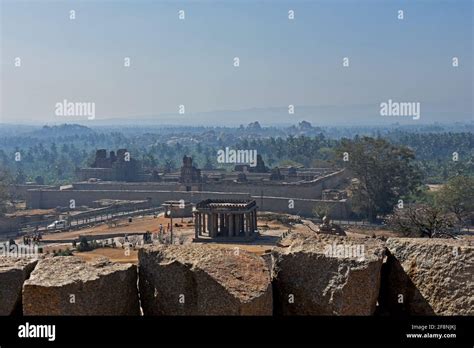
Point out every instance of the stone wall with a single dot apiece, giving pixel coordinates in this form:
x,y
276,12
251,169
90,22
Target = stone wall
x,y
309,190
127,186
85,193
21,191
9,225
39,199
340,210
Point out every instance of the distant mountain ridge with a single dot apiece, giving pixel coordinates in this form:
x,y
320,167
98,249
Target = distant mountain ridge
x,y
61,130
279,116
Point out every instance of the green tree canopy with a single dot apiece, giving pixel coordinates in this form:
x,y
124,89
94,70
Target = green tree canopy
x,y
4,194
457,197
385,173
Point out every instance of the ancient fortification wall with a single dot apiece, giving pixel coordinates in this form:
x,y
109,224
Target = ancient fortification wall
x,y
276,195
310,190
304,207
129,186
21,191
340,210
54,198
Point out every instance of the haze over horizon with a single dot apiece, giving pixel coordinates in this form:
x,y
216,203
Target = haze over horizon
x,y
276,116
190,62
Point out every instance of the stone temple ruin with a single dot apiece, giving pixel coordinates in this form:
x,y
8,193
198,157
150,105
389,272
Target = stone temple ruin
x,y
287,190
189,173
221,219
118,166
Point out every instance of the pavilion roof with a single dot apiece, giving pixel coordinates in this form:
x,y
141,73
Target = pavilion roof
x,y
226,204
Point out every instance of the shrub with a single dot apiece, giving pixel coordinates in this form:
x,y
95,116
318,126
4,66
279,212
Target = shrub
x,y
84,245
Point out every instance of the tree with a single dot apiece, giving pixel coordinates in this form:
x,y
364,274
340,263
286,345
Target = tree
x,y
4,194
422,220
169,166
84,245
322,209
457,197
20,177
208,165
384,172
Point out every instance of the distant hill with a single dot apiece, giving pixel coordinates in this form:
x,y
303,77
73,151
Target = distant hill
x,y
61,130
317,115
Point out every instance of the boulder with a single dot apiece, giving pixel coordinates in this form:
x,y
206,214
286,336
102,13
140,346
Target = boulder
x,y
320,274
428,276
66,285
203,280
13,272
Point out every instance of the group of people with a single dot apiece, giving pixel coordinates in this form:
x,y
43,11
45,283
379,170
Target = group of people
x,y
32,240
161,233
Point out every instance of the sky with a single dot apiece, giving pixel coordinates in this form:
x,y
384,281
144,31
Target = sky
x,y
190,62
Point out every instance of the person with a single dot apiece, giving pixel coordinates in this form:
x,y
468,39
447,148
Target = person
x,y
12,244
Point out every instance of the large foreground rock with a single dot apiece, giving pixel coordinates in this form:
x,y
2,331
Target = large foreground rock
x,y
66,285
429,277
318,274
203,280
13,272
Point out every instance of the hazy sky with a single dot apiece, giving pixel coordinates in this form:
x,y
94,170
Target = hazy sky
x,y
190,62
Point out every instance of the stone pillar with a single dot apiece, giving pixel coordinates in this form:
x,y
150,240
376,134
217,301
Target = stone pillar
x,y
226,222
214,225
250,222
203,226
231,225
209,228
255,219
210,217
199,223
222,223
247,224
237,224
196,225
